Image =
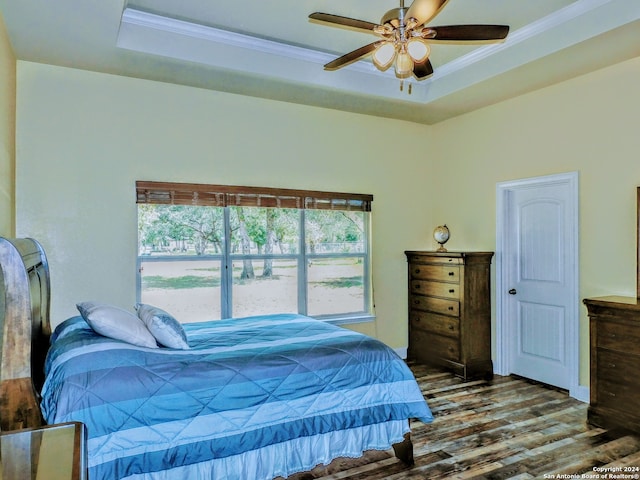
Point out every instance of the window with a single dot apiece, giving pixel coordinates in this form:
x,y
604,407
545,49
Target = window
x,y
208,252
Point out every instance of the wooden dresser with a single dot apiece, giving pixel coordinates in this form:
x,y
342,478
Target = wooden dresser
x,y
614,327
450,311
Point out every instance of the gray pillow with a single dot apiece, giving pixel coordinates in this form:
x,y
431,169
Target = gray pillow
x,y
117,323
164,327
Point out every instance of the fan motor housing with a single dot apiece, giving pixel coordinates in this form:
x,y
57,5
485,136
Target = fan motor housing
x,y
395,17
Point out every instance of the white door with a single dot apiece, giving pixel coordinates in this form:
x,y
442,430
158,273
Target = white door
x,y
539,278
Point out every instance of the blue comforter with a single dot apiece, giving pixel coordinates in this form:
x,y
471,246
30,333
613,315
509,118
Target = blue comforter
x,y
244,384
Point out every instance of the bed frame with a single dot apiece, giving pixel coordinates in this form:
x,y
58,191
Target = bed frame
x,y
25,293
24,320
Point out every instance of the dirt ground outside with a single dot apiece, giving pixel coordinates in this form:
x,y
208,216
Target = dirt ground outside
x,y
190,290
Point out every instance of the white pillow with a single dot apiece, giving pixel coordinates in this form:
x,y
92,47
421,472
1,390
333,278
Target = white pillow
x,y
116,323
163,326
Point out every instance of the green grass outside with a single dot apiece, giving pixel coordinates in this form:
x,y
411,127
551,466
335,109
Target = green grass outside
x,y
213,281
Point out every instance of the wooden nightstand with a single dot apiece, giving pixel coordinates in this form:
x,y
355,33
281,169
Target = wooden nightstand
x,y
54,452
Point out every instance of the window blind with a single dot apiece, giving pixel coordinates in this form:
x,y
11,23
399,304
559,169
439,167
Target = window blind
x,y
170,193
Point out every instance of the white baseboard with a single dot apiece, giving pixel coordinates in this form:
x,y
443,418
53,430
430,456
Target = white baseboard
x,y
580,393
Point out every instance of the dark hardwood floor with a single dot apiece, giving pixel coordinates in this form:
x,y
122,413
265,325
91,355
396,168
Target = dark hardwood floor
x,y
509,427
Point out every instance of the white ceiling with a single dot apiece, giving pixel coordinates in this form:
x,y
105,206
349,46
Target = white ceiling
x,y
271,49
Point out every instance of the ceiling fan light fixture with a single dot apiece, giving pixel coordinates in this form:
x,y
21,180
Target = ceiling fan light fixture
x,y
404,63
412,23
418,50
382,30
383,55
406,40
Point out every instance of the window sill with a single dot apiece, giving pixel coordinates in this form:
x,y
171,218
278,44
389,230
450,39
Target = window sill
x,y
348,319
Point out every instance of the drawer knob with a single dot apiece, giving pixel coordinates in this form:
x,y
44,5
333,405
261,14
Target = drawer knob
x,y
451,309
451,274
417,270
450,327
417,286
611,394
451,290
416,302
612,365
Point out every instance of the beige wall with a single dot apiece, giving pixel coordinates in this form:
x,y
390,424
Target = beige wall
x,y
588,125
7,133
85,138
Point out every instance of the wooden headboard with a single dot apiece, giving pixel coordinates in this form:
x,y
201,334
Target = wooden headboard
x,y
24,320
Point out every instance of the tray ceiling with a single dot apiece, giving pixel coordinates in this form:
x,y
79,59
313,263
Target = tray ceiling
x,y
272,50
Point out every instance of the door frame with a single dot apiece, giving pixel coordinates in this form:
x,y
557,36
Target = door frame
x,y
504,333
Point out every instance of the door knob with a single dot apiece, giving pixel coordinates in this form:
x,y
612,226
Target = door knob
x,y
512,291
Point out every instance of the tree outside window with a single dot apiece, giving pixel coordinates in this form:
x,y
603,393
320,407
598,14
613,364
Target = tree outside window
x,y
207,262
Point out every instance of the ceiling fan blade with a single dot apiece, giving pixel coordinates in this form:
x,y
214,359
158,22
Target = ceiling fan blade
x,y
423,69
468,33
425,10
338,21
351,57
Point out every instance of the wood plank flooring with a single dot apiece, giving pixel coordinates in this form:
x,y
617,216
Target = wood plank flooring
x,y
505,428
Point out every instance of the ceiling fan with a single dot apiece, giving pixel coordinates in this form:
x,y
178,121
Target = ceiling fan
x,y
405,38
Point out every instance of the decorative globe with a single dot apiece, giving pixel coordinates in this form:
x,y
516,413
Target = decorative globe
x,y
441,235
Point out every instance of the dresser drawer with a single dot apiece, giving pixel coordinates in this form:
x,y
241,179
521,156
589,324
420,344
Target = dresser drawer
x,y
427,345
436,305
439,273
618,397
433,260
436,289
431,322
618,336
618,368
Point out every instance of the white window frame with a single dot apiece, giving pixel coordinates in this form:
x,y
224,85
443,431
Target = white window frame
x,y
302,256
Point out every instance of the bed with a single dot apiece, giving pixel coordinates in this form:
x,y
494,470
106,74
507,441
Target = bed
x,y
257,397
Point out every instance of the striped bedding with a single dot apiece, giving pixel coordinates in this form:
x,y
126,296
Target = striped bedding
x,y
255,397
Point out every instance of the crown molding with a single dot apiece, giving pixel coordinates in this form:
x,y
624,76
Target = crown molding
x,y
179,39
139,18
530,32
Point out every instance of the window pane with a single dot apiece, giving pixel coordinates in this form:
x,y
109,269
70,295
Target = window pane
x,y
330,231
180,230
189,290
264,230
265,286
335,285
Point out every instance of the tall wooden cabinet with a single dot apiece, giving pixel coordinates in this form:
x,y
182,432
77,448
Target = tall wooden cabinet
x,y
614,329
450,311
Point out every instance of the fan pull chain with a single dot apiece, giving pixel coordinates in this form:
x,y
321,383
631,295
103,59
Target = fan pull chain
x,y
408,88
